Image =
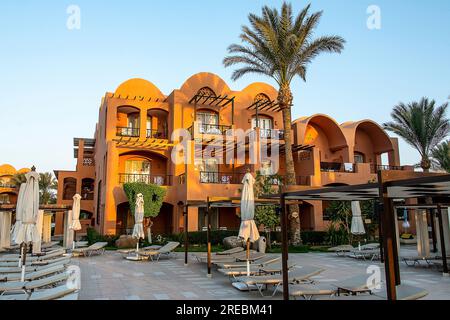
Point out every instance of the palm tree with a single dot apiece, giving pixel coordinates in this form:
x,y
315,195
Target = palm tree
x,y
441,156
47,183
280,46
18,179
422,125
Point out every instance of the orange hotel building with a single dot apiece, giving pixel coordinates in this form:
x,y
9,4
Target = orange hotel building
x,y
132,143
8,189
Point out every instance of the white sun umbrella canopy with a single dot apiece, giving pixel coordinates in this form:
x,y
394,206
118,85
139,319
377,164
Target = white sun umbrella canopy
x,y
248,230
76,207
18,222
357,222
138,229
28,211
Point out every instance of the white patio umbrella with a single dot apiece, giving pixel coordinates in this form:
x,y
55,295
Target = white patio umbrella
x,y
248,230
138,229
28,211
18,222
75,225
357,222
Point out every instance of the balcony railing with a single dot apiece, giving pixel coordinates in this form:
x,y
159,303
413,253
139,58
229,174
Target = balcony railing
x,y
156,134
127,132
87,196
374,168
271,134
221,177
213,129
337,167
159,180
88,162
8,185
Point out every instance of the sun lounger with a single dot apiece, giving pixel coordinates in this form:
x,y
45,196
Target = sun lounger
x,y
28,286
271,268
241,256
353,286
33,275
30,257
36,263
165,250
308,290
31,268
128,253
404,292
294,275
222,253
342,249
371,254
412,261
264,260
96,248
44,294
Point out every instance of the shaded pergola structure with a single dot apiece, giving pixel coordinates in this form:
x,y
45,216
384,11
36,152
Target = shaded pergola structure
x,y
389,187
215,202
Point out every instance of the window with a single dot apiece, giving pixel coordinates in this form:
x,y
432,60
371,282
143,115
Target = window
x,y
137,167
4,198
264,123
149,123
266,168
213,219
69,188
208,122
209,170
133,120
359,157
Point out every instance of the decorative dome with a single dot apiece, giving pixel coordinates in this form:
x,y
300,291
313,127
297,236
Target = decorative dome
x,y
138,88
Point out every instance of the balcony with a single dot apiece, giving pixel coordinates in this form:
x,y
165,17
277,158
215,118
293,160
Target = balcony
x,y
213,129
7,185
127,132
232,178
271,134
159,180
337,167
374,168
155,134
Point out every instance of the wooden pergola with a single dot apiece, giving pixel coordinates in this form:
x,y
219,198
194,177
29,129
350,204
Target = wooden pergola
x,y
389,187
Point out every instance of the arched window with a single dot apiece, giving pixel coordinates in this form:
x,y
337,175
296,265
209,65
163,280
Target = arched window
x,y
69,188
87,189
359,157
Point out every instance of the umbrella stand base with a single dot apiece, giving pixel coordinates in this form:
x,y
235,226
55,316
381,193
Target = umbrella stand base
x,y
209,275
243,287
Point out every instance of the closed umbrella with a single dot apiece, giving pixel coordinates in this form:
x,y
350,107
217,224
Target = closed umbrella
x,y
18,222
75,225
357,222
138,229
248,230
28,211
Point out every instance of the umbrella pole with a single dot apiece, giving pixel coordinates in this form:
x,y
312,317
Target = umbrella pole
x,y
21,255
248,257
208,239
24,257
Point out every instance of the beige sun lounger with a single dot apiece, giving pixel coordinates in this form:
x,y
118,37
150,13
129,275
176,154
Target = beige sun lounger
x,y
371,254
294,275
221,254
264,260
353,285
28,286
404,292
309,290
127,253
36,263
412,261
44,256
33,275
270,268
156,254
31,268
241,256
342,249
59,292
96,248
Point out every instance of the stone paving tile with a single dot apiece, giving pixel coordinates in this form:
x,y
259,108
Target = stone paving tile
x,y
170,279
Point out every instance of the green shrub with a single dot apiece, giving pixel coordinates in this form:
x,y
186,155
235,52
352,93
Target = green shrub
x,y
93,236
337,235
153,197
199,237
313,237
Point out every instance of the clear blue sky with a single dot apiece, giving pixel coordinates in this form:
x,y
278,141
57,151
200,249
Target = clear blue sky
x,y
52,79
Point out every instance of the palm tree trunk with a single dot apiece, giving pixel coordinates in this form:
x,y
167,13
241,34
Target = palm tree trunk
x,y
285,100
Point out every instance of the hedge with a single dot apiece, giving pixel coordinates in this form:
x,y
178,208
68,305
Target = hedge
x,y
93,236
153,197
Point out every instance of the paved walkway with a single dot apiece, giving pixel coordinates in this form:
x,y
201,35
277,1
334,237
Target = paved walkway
x,y
112,277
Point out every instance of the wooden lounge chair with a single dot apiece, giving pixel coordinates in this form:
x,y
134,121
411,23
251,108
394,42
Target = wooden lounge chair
x,y
96,248
156,254
270,268
295,275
